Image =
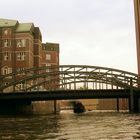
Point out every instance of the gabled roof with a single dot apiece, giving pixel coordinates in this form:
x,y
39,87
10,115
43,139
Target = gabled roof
x,y
7,22
25,27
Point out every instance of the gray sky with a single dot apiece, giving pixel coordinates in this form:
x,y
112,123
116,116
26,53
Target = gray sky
x,y
90,32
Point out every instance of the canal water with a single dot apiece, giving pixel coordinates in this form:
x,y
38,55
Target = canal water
x,y
70,126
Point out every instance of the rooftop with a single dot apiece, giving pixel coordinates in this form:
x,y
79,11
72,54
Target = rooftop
x,y
24,27
21,27
7,22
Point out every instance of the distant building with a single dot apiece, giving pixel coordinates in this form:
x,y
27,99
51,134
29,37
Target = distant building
x,y
21,48
50,54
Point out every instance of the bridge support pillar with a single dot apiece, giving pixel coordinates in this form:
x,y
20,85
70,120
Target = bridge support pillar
x,y
136,105
139,105
131,98
15,107
45,107
131,101
55,106
118,106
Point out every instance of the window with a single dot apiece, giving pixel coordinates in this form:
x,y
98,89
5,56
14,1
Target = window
x,y
48,69
21,43
7,43
48,57
21,71
6,70
57,59
6,32
21,86
7,56
6,83
48,64
21,56
18,43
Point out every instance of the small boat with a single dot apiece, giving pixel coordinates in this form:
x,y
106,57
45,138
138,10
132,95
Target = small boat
x,y
78,107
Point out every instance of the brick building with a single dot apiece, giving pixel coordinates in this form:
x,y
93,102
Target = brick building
x,y
21,48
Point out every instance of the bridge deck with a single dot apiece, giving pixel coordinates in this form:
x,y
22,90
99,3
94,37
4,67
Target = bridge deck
x,y
67,94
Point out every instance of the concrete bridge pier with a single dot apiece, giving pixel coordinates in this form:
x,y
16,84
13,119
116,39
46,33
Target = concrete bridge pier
x,y
45,107
134,102
131,98
136,105
29,107
15,107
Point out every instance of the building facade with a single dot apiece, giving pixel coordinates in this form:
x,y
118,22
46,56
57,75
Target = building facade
x,y
21,48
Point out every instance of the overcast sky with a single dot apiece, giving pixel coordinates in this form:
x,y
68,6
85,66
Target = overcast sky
x,y
90,32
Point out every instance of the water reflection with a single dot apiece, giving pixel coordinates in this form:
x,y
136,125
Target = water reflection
x,y
67,125
28,127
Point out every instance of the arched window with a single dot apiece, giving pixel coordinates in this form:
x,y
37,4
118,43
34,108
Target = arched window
x,y
6,70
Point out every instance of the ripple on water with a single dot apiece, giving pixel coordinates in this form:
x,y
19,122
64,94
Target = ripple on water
x,y
70,126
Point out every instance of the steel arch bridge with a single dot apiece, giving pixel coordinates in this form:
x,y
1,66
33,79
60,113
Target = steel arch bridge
x,y
67,77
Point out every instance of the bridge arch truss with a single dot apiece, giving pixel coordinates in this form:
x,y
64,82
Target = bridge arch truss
x,y
67,77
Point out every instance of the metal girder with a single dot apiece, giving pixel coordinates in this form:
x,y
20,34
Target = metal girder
x,y
58,77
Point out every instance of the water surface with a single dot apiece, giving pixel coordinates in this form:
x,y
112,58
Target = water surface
x,y
70,126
